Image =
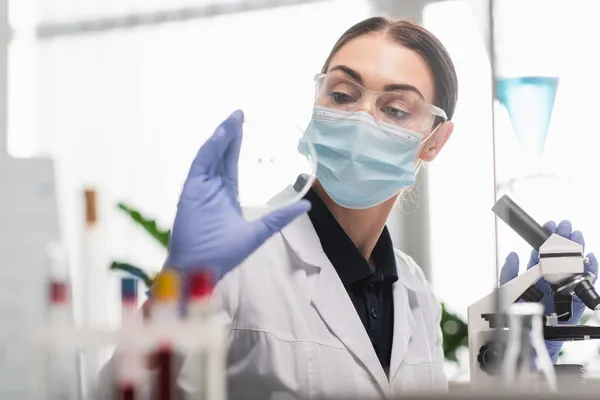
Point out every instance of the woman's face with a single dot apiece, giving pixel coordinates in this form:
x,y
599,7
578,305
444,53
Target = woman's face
x,y
378,64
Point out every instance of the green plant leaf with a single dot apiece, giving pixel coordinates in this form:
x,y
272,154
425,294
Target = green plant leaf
x,y
455,334
132,270
149,225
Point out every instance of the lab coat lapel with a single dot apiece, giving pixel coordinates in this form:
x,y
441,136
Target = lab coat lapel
x,y
337,311
331,300
404,321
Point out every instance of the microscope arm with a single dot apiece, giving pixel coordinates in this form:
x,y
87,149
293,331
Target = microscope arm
x,y
508,294
512,290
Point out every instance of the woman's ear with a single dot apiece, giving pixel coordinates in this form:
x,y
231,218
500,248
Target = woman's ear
x,y
433,145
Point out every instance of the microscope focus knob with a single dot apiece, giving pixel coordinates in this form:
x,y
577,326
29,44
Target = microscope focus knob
x,y
490,358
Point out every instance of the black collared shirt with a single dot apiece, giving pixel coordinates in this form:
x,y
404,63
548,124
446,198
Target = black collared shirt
x,y
369,289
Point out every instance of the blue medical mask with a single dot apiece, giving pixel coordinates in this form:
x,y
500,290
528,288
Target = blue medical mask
x,y
360,162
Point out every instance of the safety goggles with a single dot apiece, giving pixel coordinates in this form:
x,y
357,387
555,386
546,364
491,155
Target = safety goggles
x,y
404,108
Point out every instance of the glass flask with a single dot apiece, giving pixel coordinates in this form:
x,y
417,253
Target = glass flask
x,y
527,365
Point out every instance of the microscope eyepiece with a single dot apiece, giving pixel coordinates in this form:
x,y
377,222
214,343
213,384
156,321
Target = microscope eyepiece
x,y
523,224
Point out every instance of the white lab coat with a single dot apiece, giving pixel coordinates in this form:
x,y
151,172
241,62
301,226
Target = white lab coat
x,y
294,332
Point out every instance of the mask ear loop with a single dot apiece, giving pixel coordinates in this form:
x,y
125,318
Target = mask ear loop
x,y
420,162
410,195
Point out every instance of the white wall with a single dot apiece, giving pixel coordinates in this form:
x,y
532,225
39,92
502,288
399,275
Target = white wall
x,y
4,40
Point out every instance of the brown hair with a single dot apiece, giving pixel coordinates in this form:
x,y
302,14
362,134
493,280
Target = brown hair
x,y
416,38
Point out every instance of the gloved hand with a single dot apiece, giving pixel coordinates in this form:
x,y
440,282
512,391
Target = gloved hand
x,y
209,229
511,269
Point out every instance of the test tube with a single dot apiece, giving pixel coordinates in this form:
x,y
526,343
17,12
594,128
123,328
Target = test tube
x,y
129,301
60,361
129,363
165,310
58,285
199,310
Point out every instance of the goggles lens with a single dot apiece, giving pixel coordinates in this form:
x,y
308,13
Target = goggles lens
x,y
401,108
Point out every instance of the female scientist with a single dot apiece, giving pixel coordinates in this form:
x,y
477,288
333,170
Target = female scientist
x,y
318,303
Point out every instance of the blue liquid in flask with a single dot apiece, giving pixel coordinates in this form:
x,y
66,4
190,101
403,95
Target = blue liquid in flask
x,y
529,101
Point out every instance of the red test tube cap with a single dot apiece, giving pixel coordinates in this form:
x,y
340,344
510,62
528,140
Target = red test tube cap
x,y
201,284
59,293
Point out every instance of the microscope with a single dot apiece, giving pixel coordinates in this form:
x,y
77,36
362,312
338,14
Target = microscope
x,y
561,264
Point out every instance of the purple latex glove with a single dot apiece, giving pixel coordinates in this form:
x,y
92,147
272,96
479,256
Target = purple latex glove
x,y
511,269
209,229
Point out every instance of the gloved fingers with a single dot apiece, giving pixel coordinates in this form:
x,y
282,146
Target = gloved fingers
x,y
534,259
510,269
276,220
564,229
591,265
577,237
550,226
232,155
209,157
232,128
